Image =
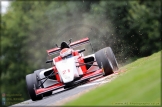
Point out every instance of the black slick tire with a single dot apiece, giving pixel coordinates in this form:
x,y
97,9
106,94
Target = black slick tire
x,y
104,62
32,84
111,56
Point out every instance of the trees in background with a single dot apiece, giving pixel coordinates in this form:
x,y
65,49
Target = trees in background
x,y
131,28
136,26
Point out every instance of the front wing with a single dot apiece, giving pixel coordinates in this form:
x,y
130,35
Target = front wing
x,y
61,85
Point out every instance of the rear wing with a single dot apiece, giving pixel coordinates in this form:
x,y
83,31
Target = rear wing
x,y
72,45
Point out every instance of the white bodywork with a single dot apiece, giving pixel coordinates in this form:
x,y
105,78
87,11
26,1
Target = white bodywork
x,y
92,68
67,70
48,82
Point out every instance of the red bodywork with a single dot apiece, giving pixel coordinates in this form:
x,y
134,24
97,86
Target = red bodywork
x,y
61,85
86,75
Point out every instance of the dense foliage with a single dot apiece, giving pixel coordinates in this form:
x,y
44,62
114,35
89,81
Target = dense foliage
x,y
131,28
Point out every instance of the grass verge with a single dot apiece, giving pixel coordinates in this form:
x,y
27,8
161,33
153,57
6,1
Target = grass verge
x,y
139,85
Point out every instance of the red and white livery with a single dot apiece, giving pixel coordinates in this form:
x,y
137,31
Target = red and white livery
x,y
70,68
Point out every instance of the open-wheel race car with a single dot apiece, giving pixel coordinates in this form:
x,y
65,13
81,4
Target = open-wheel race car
x,y
69,68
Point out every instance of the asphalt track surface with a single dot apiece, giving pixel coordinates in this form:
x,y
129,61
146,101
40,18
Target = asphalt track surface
x,y
60,95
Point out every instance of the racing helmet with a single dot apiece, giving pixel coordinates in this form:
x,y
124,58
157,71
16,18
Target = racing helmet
x,y
66,51
64,45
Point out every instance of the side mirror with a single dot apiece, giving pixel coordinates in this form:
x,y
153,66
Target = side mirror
x,y
70,40
56,45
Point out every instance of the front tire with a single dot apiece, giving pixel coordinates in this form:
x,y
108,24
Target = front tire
x,y
32,84
37,72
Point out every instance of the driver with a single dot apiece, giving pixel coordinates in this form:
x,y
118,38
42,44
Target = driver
x,y
66,51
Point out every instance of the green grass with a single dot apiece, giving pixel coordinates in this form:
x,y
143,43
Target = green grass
x,y
139,85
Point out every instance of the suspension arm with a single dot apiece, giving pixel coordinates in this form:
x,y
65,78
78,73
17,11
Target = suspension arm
x,y
81,64
52,74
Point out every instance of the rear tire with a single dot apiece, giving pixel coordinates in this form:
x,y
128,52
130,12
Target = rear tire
x,y
112,58
104,62
31,82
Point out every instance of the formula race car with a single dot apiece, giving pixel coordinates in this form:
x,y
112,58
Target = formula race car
x,y
69,68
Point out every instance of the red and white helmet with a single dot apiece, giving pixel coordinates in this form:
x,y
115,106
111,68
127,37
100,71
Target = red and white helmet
x,y
66,51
